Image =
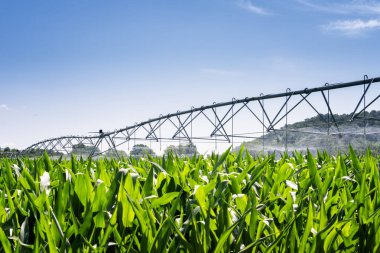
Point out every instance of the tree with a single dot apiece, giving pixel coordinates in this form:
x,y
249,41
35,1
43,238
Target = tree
x,y
182,150
111,153
140,150
82,149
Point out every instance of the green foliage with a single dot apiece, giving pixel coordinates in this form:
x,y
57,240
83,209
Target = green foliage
x,y
223,203
141,150
182,150
82,149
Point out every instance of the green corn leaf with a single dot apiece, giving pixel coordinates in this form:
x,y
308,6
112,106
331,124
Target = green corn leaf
x,y
166,224
9,179
47,162
256,173
165,199
7,247
309,225
100,198
220,161
11,204
357,168
107,233
314,174
51,242
185,243
224,237
239,157
85,227
253,219
148,185
200,196
235,188
81,188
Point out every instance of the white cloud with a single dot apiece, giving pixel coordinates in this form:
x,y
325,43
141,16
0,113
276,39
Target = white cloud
x,y
364,7
353,27
323,7
344,7
4,107
249,6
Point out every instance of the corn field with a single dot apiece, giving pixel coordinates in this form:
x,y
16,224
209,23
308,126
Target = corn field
x,y
232,202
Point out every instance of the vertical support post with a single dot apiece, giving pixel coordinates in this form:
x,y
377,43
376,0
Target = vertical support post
x,y
159,130
134,136
232,122
286,121
216,146
364,116
179,136
191,125
328,118
160,138
261,94
328,111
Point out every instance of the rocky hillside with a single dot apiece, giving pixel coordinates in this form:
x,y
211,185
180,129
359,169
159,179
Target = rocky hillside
x,y
320,133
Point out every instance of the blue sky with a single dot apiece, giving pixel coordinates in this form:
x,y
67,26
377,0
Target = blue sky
x,y
71,67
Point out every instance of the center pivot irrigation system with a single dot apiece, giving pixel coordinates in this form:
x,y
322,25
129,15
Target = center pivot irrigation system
x,y
232,122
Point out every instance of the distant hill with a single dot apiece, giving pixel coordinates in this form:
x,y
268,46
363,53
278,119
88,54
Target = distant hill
x,y
320,133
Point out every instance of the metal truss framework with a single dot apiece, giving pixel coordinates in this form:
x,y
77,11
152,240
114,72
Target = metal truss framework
x,y
179,125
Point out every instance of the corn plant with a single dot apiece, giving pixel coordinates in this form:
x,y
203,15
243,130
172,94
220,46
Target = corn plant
x,y
232,202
